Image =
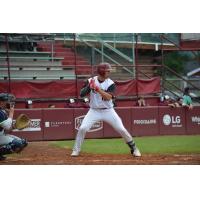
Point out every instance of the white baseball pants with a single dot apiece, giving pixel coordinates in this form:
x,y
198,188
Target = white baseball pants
x,y
95,115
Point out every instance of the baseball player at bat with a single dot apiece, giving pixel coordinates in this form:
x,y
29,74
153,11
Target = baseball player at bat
x,y
8,143
101,90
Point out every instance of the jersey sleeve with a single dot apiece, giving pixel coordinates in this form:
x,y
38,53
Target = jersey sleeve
x,y
111,89
85,90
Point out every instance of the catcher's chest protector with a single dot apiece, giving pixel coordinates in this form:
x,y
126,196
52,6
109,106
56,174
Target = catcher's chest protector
x,y
96,100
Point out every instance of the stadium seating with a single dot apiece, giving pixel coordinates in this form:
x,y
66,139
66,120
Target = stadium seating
x,y
55,60
32,65
83,66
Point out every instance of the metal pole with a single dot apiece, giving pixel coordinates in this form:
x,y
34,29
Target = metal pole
x,y
136,62
162,63
114,40
133,53
102,53
92,60
52,50
8,63
64,38
75,64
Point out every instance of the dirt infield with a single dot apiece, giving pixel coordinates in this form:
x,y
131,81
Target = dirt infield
x,y
41,153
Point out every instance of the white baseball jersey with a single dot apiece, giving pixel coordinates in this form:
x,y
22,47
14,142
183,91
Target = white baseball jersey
x,y
96,100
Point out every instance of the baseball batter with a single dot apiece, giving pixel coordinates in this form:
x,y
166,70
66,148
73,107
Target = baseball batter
x,y
8,143
101,90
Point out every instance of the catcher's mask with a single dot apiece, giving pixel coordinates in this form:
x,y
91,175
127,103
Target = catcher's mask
x,y
102,68
7,98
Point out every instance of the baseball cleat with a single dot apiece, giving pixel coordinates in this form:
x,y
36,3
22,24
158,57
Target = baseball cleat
x,y
136,152
75,153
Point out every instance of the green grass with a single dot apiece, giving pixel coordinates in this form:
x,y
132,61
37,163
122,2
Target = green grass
x,y
154,144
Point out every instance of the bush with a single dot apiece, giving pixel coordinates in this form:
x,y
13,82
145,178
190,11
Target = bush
x,y
176,61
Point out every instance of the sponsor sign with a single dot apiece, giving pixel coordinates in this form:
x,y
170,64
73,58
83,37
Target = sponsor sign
x,y
58,124
35,125
193,121
172,120
145,121
196,119
95,127
35,129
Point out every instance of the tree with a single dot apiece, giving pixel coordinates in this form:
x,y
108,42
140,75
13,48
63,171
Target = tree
x,y
176,61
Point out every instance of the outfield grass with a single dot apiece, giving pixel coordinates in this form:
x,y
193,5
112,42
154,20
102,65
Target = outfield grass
x,y
154,144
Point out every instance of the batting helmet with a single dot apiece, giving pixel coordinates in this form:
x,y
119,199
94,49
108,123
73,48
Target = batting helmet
x,y
102,67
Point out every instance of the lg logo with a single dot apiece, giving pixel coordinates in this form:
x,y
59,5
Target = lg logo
x,y
167,120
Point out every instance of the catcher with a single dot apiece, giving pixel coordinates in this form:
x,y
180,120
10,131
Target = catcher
x,y
101,90
9,143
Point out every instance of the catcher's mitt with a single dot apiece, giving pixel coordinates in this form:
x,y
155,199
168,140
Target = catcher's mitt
x,y
22,121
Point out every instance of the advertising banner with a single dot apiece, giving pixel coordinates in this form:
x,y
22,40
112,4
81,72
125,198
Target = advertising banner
x,y
172,121
35,129
193,121
58,124
145,121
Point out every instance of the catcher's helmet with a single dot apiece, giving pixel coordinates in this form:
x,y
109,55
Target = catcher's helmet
x,y
102,67
7,97
4,96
